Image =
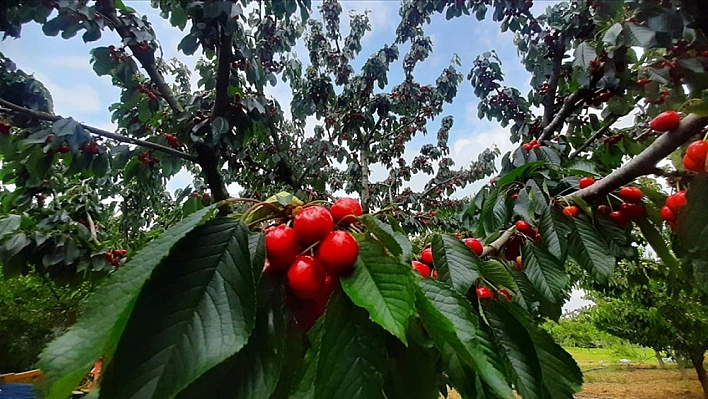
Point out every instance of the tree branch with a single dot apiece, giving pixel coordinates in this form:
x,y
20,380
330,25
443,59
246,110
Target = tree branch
x,y
223,76
549,102
644,163
609,121
99,132
107,8
572,102
497,244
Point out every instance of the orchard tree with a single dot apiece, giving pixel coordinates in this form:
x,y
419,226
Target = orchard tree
x,y
288,297
643,305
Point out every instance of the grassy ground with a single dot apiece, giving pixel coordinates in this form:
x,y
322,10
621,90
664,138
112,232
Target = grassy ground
x,y
608,378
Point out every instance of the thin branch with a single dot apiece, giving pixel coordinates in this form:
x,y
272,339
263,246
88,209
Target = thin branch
x,y
497,244
609,121
146,59
644,163
223,76
99,132
572,102
549,102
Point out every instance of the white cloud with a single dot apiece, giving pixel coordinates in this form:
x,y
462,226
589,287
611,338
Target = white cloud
x,y
79,99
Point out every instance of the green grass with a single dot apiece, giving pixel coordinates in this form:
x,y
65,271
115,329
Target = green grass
x,y
599,357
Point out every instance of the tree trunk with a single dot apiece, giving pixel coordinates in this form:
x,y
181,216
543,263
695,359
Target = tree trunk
x,y
697,360
657,354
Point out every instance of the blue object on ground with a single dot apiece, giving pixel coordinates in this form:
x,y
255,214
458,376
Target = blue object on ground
x,y
17,391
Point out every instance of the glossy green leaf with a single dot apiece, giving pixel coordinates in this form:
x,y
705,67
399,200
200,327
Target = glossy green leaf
x,y
456,263
545,272
450,320
383,286
394,241
68,358
9,224
352,357
197,310
588,248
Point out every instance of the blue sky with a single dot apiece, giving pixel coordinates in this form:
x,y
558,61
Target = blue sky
x,y
63,66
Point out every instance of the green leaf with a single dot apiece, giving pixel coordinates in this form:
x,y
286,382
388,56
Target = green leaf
x,y
394,241
352,357
455,262
450,320
197,310
304,387
583,55
412,375
495,272
545,272
252,373
519,349
553,227
588,248
100,165
13,245
384,287
612,35
561,375
9,224
693,218
189,44
658,244
638,35
67,359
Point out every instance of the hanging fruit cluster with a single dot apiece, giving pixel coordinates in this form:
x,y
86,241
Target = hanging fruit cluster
x,y
312,254
670,211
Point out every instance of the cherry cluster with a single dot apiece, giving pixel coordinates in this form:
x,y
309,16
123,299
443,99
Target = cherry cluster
x,y
313,254
674,203
147,92
146,159
172,140
89,148
531,145
696,154
115,256
425,266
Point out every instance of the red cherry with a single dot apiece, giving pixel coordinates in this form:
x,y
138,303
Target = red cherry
x,y
513,248
421,268
514,196
434,274
691,164
667,214
676,201
570,211
586,182
528,146
619,217
665,121
632,211
505,293
484,293
604,209
697,151
524,227
338,252
306,277
426,256
313,224
474,245
344,207
282,247
631,194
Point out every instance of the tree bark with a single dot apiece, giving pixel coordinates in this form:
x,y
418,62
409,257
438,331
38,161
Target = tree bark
x,y
657,354
697,361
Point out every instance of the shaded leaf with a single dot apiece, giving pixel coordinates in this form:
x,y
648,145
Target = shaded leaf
x,y
455,262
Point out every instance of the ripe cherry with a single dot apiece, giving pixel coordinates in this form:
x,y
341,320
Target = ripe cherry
x,y
282,247
421,268
514,196
313,224
676,201
667,214
604,209
474,245
631,194
434,274
586,182
505,293
338,252
697,152
571,211
692,165
632,211
665,121
618,217
484,293
344,207
426,256
524,227
306,277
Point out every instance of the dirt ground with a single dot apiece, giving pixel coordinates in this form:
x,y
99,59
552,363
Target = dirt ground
x,y
622,382
640,383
